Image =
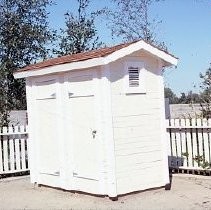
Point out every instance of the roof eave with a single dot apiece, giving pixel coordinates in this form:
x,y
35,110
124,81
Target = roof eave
x,y
142,45
60,68
169,60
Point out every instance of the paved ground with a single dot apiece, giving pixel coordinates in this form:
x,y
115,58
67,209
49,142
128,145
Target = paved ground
x,y
187,192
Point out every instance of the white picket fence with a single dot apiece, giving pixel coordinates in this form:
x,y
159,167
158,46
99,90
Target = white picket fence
x,y
13,149
189,143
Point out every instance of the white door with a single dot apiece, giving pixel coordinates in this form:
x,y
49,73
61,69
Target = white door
x,y
46,126
81,108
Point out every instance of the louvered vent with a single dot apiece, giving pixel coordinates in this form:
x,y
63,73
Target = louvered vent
x,y
133,76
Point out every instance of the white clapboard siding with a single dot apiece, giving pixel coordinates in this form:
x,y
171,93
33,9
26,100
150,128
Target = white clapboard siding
x,y
189,141
13,149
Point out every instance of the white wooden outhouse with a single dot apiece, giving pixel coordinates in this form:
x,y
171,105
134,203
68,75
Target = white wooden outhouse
x,y
97,120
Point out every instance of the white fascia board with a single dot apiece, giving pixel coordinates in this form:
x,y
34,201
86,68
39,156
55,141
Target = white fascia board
x,y
161,54
170,60
61,68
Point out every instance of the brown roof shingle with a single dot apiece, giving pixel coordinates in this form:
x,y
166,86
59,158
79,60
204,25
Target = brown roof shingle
x,y
75,57
78,57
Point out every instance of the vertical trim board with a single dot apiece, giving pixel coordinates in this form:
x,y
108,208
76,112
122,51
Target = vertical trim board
x,y
163,126
109,136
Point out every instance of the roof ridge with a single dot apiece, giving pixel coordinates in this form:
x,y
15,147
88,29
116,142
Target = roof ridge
x,y
71,58
86,54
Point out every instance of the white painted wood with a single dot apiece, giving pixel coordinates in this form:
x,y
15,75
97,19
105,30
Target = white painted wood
x,y
141,88
140,45
86,134
189,145
140,169
11,151
17,150
194,135
63,149
183,144
137,122
44,91
200,138
84,128
173,135
10,163
206,140
209,141
109,135
12,172
11,133
169,144
23,155
83,112
163,141
177,140
23,150
1,149
5,150
194,143
31,144
99,98
48,159
191,126
68,127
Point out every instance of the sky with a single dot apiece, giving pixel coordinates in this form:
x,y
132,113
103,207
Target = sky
x,y
185,28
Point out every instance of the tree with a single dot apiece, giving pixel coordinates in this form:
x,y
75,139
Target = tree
x,y
189,98
131,21
24,34
80,33
206,93
173,99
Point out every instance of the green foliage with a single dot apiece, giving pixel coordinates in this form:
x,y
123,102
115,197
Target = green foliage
x,y
173,99
206,93
202,162
24,34
189,98
132,21
80,33
185,154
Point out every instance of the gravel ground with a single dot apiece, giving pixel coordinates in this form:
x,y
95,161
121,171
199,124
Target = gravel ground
x,y
187,192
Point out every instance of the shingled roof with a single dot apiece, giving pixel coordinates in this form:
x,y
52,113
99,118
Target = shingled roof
x,y
93,58
102,52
